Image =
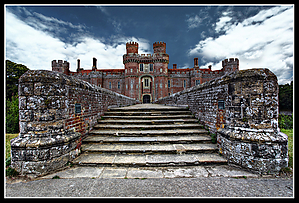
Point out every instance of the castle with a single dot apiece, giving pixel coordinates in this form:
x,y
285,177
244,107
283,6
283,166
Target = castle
x,y
146,78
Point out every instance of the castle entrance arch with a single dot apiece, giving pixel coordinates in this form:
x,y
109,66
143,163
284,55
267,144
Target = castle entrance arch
x,y
146,88
146,99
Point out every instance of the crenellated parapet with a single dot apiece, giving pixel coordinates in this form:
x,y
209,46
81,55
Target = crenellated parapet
x,y
231,61
159,47
61,66
230,65
60,63
132,47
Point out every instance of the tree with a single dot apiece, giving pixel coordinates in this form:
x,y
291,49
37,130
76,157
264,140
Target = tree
x,y
13,73
286,96
12,114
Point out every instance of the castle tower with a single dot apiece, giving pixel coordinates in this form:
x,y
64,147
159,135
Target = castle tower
x,y
62,67
132,47
230,65
159,47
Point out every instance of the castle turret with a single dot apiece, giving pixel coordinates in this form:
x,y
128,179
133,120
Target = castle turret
x,y
159,47
62,67
230,65
132,47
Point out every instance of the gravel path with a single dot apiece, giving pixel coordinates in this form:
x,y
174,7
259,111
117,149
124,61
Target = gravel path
x,y
160,187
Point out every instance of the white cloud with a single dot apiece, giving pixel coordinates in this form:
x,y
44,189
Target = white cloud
x,y
264,40
194,22
36,47
223,23
29,46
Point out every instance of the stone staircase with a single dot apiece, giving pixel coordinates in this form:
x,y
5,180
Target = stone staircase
x,y
148,135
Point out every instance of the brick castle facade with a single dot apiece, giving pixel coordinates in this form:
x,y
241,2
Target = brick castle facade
x,y
146,77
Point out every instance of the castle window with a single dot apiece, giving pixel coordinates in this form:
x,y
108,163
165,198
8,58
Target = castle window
x,y
141,67
168,83
221,104
146,68
197,82
160,70
146,82
184,83
111,85
77,108
151,67
118,85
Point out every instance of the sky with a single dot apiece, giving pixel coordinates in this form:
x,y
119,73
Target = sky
x,y
260,36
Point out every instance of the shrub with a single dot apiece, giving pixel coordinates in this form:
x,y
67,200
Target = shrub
x,y
285,121
12,115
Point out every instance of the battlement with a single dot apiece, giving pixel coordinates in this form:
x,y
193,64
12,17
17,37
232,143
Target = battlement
x,y
159,44
61,66
230,65
147,55
159,47
231,61
131,43
60,63
132,47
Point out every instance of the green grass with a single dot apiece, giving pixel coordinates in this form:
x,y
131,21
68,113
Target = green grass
x,y
289,132
8,137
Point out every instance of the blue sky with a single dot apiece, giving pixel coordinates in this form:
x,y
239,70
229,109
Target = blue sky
x,y
260,36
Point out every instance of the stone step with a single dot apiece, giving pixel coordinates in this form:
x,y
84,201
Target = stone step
x,y
150,133
149,148
146,127
111,117
146,108
145,113
107,159
148,122
157,139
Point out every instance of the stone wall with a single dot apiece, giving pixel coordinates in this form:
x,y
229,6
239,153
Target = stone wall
x,y
56,111
242,109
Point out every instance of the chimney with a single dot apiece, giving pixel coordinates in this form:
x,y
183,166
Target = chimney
x,y
94,63
210,67
78,65
174,66
195,62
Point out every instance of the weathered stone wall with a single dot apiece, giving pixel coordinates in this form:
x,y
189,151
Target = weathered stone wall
x,y
50,127
247,123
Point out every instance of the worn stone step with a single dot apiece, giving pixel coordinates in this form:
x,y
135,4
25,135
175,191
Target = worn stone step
x,y
153,107
107,159
148,122
142,133
157,139
146,127
145,113
149,148
156,117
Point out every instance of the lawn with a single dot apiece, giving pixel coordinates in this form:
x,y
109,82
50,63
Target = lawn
x,y
8,137
289,132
